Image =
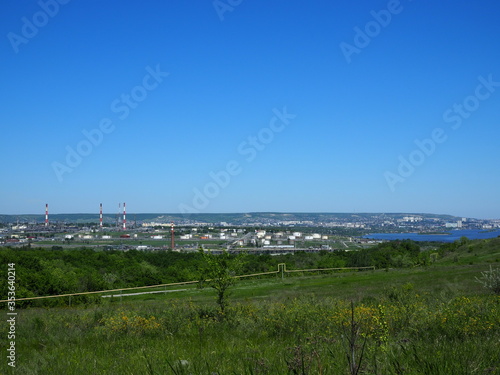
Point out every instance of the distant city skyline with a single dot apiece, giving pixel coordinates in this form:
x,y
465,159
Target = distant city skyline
x,y
283,106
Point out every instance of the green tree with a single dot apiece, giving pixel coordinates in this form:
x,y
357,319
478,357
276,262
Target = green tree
x,y
219,272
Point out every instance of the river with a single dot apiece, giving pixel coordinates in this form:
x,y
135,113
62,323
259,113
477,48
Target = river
x,y
450,236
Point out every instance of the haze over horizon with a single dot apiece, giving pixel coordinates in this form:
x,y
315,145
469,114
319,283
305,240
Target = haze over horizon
x,y
233,107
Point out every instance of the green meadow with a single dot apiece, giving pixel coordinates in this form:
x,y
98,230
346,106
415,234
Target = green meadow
x,y
432,318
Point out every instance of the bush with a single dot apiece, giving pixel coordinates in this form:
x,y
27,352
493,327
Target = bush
x,y
491,280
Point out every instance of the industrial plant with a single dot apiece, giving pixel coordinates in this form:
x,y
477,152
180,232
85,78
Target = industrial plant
x,y
269,233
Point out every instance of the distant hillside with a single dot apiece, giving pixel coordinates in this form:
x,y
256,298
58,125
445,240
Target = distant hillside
x,y
216,218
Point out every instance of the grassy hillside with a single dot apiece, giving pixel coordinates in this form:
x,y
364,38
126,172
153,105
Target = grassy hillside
x,y
435,319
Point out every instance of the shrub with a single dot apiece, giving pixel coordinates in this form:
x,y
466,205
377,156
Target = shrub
x,y
491,280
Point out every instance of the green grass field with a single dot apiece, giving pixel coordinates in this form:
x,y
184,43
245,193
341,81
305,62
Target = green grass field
x,y
426,320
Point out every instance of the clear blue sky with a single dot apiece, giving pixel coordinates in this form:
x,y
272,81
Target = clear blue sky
x,y
354,105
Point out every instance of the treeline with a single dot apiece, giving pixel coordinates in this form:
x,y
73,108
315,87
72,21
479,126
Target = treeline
x,y
41,272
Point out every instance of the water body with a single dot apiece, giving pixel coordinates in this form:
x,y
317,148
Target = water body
x,y
450,236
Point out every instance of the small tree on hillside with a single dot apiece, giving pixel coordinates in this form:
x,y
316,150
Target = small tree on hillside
x,y
219,273
491,279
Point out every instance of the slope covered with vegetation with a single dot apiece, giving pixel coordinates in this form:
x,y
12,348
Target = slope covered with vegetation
x,y
429,316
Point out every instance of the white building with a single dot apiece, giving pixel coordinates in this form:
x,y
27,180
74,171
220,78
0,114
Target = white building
x,y
260,233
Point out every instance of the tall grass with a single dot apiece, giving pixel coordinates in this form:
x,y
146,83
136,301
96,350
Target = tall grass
x,y
406,330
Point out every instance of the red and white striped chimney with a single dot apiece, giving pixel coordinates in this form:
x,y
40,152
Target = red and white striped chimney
x,y
124,217
172,237
46,214
100,215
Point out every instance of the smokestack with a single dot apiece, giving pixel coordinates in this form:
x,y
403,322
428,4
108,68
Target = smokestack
x,y
118,215
46,214
172,237
124,218
100,216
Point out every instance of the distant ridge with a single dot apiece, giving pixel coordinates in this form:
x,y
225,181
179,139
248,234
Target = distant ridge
x,y
233,218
